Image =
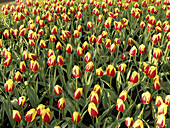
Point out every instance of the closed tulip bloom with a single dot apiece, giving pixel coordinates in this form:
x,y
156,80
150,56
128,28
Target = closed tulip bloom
x,y
159,35
51,60
16,115
8,59
78,93
69,48
94,97
97,89
40,108
92,39
76,71
58,90
167,28
168,45
76,117
17,76
41,23
9,85
46,115
122,67
163,109
58,45
152,72
142,48
89,66
123,56
118,25
156,84
167,100
129,121
50,53
117,42
146,97
25,55
138,124
100,18
157,53
104,34
79,28
60,60
30,116
34,65
4,52
158,101
22,32
142,24
22,100
99,71
61,103
50,19
154,39
53,38
152,20
66,34
90,25
158,29
16,33
54,30
92,109
6,33
99,39
43,43
85,45
145,68
134,78
107,42
133,51
76,34
130,42
120,106
123,95
32,56
161,121
111,71
87,57
32,42
167,14
112,48
78,15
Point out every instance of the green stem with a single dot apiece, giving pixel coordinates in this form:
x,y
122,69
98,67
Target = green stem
x,y
98,124
110,90
76,83
141,111
118,116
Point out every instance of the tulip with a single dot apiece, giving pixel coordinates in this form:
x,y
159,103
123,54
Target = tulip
x,y
134,78
142,48
16,115
129,121
157,53
79,28
9,85
133,51
161,121
76,117
53,38
142,24
111,71
104,34
138,124
8,59
87,57
92,109
85,45
78,93
32,56
94,97
90,25
25,55
22,100
46,115
51,60
58,45
6,33
60,60
76,34
99,71
123,56
107,43
145,68
152,72
89,66
34,65
16,33
156,84
66,34
41,23
61,103
122,67
31,42
120,106
92,39
78,15
50,53
158,101
112,48
163,109
149,27
159,35
69,48
146,97
100,18
58,90
43,43
17,76
40,108
167,100
154,39
30,116
97,89
123,95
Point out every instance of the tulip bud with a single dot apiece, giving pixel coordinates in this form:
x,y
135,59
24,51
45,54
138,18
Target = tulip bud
x,y
76,34
90,25
163,109
133,51
138,124
22,100
142,48
92,109
40,108
104,34
76,117
118,25
69,48
51,60
123,56
142,24
31,42
145,68
123,95
117,42
6,33
168,45
78,93
134,78
30,116
158,101
146,97
85,45
53,38
100,19
120,106
94,97
60,60
66,34
122,67
99,71
46,115
16,115
58,90
79,28
156,84
58,45
9,85
154,39
61,103
167,100
157,53
130,42
161,121
32,56
107,43
112,48
1,43
89,66
76,71
129,121
92,39
34,65
17,76
78,15
43,43
87,57
152,72
111,71
97,89
50,53
8,59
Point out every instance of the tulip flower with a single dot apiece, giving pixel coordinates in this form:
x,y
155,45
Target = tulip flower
x,y
78,15
89,66
85,45
34,65
146,97
50,53
90,25
154,39
69,48
112,48
129,121
138,124
58,90
157,53
8,59
16,115
107,43
152,72
32,56
161,121
99,39
142,48
134,78
122,67
156,84
123,95
17,76
30,116
1,44
66,34
52,60
58,45
120,106
6,33
92,39
40,108
43,43
167,100
142,24
54,30
76,34
53,38
163,109
145,68
22,100
87,57
99,71
60,60
158,101
79,28
76,117
78,93
94,97
97,89
61,103
111,71
117,42
46,115
133,51
92,109
9,85
123,56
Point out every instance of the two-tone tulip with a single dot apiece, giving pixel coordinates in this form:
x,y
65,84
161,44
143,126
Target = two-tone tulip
x,y
142,48
123,95
157,52
51,60
53,38
90,25
78,93
40,108
22,100
87,57
30,116
134,78
76,71
111,70
58,45
123,56
34,65
85,45
92,109
58,90
112,48
92,39
120,106
107,43
161,121
145,67
9,85
89,66
146,97
158,101
76,34
8,59
142,24
133,51
16,115
61,103
54,30
94,97
122,67
46,115
152,72
138,124
129,121
97,89
99,71
32,56
43,43
6,33
163,109
17,76
156,84
167,100
76,117
69,48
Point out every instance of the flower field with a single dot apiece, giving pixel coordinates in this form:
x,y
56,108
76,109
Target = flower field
x,y
85,64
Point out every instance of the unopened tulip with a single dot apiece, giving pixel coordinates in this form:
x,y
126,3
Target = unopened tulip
x,y
92,109
167,100
50,53
43,43
17,76
129,121
76,71
6,33
78,93
60,60
134,78
145,68
87,57
51,60
22,100
32,56
133,51
54,30
40,108
138,124
123,56
157,53
99,71
58,90
61,103
163,109
53,38
9,85
34,65
92,39
94,97
58,45
80,51
142,48
120,106
76,117
112,48
111,71
16,115
97,89
107,43
89,66
76,34
158,101
30,116
90,25
122,67
123,95
156,84
85,45
161,121
146,97
152,72
46,115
